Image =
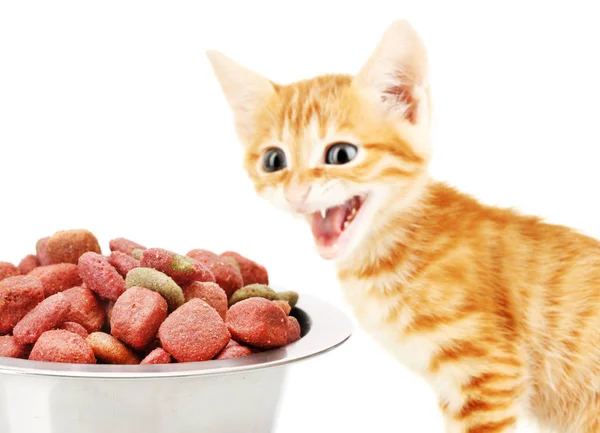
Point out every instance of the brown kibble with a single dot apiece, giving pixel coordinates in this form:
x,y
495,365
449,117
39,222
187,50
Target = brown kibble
x,y
67,246
110,350
284,306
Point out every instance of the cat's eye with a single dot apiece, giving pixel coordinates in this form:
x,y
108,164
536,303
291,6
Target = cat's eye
x,y
340,153
274,160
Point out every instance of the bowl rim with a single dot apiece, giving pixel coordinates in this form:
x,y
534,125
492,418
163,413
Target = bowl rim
x,y
325,328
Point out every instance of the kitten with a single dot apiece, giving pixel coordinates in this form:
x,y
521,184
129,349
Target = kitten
x,y
500,312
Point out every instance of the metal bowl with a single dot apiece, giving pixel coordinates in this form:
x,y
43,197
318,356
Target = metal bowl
x,y
230,396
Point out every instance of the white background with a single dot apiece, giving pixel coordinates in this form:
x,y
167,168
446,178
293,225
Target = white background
x,y
111,119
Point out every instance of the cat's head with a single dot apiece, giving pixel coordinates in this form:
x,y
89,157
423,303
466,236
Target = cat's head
x,y
343,152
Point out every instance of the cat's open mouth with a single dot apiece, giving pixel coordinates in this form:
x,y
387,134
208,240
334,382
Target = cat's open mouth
x,y
332,227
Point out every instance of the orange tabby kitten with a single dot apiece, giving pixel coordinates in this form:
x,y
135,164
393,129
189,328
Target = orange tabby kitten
x,y
500,312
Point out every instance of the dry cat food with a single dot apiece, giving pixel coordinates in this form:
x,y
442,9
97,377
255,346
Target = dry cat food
x,y
70,303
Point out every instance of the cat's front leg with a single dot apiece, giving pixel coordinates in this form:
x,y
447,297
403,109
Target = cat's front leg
x,y
484,405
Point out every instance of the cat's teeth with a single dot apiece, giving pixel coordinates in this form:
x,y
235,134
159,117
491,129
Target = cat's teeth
x,y
353,211
323,212
346,224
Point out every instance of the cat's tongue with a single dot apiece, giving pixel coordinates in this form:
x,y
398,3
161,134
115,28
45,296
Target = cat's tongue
x,y
327,229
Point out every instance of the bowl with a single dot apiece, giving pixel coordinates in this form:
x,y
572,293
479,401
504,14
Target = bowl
x,y
239,395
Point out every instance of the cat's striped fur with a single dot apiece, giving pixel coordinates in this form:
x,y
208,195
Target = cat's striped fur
x,y
500,312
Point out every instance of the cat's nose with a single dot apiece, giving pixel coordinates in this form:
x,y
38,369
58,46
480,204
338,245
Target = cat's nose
x,y
296,195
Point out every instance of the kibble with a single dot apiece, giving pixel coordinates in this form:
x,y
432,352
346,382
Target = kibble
x,y
8,270
99,276
110,350
69,303
157,356
57,278
252,272
136,316
60,345
180,268
18,296
66,246
47,315
194,332
158,282
226,275
258,322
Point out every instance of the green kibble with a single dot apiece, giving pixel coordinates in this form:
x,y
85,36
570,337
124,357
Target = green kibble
x,y
290,297
157,281
137,254
253,291
233,262
182,264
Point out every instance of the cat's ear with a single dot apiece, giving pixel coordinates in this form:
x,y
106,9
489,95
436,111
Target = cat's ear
x,y
395,76
246,91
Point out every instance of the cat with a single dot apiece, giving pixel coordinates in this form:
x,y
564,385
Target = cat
x,y
499,312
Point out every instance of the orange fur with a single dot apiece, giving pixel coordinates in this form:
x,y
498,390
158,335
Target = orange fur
x,y
499,311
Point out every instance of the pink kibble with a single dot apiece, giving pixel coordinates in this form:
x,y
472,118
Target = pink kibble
x,y
28,264
258,322
86,309
18,296
157,356
57,278
210,293
137,315
252,272
11,348
234,350
49,314
8,270
180,268
227,276
194,332
62,346
76,328
294,330
99,276
122,262
41,248
124,245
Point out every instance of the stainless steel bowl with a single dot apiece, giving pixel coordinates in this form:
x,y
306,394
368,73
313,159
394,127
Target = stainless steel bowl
x,y
231,396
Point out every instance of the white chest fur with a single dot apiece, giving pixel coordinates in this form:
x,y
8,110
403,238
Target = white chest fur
x,y
387,319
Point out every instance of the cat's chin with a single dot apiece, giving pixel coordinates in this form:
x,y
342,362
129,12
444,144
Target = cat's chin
x,y
334,228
